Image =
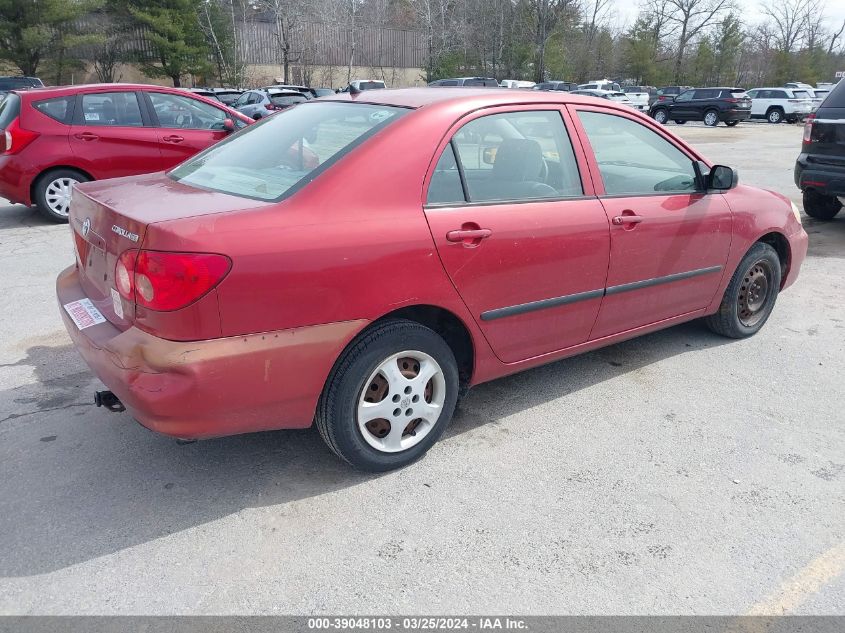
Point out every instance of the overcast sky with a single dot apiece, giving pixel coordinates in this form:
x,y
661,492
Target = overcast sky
x,y
626,11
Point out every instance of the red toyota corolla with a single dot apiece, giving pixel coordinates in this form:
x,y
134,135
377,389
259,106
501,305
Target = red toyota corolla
x,y
53,138
360,261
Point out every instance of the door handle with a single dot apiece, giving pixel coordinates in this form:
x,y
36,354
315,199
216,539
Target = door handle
x,y
172,139
469,237
86,136
627,218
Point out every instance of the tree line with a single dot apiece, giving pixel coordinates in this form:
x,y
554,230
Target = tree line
x,y
687,42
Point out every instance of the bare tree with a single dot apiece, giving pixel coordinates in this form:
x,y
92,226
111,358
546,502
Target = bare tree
x,y
686,20
789,22
288,17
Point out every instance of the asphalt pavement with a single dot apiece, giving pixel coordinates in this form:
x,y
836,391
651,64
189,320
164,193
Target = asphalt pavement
x,y
677,473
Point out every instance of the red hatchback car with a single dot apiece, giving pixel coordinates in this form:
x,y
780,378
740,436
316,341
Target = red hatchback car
x,y
53,138
438,240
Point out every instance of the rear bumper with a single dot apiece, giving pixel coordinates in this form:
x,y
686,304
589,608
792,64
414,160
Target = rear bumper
x,y
213,387
825,178
15,180
735,115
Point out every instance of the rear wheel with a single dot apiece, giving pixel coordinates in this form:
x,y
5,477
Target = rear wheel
x,y
52,193
819,206
711,118
750,296
774,115
390,396
661,116
679,121
731,123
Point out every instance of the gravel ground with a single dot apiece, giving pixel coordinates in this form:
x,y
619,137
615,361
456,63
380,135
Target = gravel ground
x,y
678,473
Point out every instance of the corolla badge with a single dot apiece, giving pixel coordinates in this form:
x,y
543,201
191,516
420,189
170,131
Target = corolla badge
x,y
127,234
86,226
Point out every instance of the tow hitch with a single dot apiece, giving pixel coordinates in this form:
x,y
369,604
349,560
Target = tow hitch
x,y
108,400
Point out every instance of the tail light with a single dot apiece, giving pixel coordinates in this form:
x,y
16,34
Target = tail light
x,y
808,128
168,281
15,138
731,100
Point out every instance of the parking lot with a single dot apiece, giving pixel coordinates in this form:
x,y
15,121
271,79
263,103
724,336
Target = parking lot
x,y
677,473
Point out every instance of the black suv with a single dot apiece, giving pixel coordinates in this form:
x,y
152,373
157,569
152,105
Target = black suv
x,y
666,94
8,84
820,168
710,105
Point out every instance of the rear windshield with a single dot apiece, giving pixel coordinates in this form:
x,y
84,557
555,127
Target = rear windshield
x,y
735,92
370,85
635,89
836,96
801,94
274,158
10,107
287,100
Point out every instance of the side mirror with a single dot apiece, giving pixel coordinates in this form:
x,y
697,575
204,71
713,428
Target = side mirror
x,y
722,178
228,125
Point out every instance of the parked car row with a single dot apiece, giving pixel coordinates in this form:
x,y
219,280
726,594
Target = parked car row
x,y
53,138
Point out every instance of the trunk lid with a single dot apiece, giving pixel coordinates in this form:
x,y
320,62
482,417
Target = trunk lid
x,y
112,216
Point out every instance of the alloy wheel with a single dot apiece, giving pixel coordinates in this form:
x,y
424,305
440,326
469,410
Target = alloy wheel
x,y
711,119
401,401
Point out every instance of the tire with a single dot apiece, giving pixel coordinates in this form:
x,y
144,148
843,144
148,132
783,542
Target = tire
x,y
750,296
711,118
52,193
679,121
361,379
774,115
731,123
661,116
820,207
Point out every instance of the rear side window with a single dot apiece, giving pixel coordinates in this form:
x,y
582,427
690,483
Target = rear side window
x,y
111,108
10,108
59,108
445,185
517,156
635,160
706,94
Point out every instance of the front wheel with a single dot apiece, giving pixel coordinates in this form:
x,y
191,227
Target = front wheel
x,y
390,397
711,118
661,116
750,296
52,193
821,207
679,121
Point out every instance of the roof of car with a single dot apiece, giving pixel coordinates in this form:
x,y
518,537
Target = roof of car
x,y
476,97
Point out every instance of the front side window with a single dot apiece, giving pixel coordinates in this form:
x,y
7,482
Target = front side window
x,y
635,160
684,96
512,156
274,158
111,108
176,111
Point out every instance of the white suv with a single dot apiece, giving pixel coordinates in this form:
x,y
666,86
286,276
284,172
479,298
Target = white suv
x,y
780,104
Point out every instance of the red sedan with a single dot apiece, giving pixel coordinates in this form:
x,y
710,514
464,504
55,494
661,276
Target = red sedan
x,y
359,262
53,138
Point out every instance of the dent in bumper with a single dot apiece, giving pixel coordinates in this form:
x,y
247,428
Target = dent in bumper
x,y
213,387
